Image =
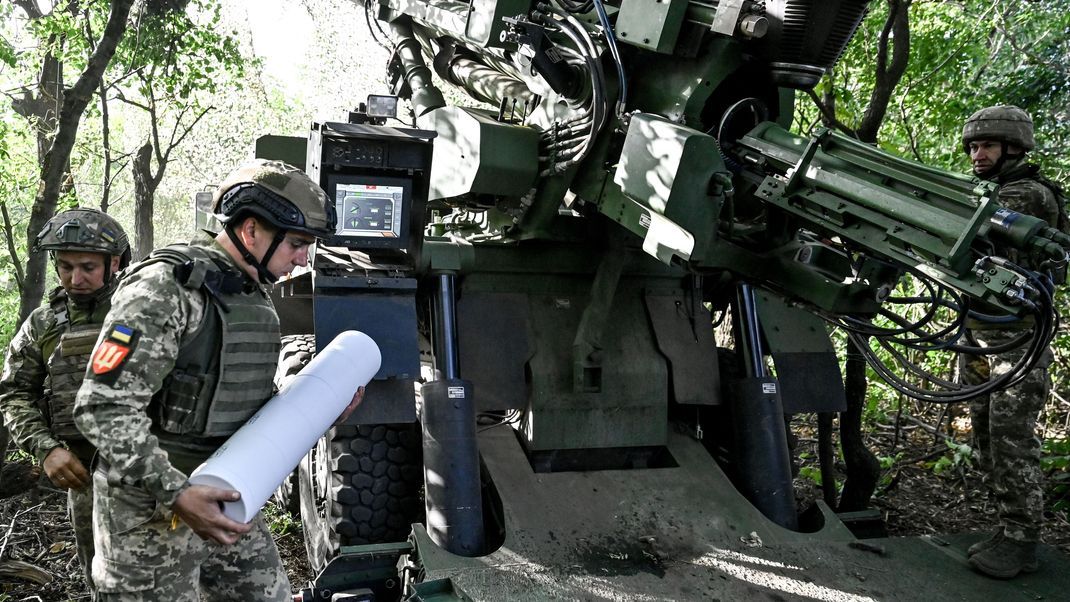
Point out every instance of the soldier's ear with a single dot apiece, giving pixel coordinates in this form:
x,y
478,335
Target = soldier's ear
x,y
116,260
247,231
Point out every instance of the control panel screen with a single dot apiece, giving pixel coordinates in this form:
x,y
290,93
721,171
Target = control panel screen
x,y
369,210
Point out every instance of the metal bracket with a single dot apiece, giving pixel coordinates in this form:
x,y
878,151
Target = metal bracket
x,y
728,11
797,176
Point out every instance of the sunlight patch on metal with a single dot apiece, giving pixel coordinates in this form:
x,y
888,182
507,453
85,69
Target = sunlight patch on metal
x,y
731,563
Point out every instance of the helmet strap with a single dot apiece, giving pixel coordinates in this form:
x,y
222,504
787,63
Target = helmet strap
x,y
280,234
260,265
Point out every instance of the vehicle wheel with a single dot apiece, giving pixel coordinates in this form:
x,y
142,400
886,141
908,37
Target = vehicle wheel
x,y
296,352
360,485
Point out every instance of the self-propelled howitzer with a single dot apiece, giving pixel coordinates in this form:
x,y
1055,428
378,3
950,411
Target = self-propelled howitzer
x,y
545,263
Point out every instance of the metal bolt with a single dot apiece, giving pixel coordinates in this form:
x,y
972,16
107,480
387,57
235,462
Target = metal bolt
x,y
753,26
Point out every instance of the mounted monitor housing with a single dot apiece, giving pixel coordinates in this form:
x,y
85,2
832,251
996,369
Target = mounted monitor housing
x,y
377,178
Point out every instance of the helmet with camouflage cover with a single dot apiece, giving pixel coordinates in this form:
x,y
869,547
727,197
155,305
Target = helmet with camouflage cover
x,y
281,195
277,192
1002,123
85,229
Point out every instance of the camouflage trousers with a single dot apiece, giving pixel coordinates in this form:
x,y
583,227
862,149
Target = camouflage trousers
x,y
140,558
1004,431
80,510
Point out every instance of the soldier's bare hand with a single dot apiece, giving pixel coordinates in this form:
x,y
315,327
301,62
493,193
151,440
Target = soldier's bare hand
x,y
200,507
65,470
353,403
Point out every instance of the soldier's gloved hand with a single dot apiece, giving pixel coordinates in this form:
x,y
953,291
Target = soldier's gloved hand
x,y
65,469
200,507
353,403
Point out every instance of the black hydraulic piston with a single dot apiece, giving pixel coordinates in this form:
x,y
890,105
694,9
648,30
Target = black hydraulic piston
x,y
452,496
445,329
763,461
451,467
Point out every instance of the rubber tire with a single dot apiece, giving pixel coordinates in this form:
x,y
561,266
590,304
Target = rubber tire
x,y
360,485
296,352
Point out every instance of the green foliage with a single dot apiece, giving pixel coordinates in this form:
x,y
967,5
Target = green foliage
x,y
280,521
180,53
960,457
888,470
963,56
17,455
1055,462
812,473
7,51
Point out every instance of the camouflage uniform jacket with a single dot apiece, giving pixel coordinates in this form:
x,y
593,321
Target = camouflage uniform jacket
x,y
162,316
25,376
1021,190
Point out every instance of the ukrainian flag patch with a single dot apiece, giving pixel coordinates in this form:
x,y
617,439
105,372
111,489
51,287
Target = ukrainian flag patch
x,y
111,354
121,334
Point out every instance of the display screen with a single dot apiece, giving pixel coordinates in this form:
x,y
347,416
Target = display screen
x,y
369,210
382,106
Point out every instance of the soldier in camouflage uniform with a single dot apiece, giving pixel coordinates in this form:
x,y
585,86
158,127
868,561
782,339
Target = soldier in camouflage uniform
x,y
1004,422
47,358
187,354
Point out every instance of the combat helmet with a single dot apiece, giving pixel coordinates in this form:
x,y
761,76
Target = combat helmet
x,y
279,193
85,229
1003,123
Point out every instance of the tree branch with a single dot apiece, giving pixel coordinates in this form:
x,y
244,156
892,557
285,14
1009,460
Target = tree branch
x,y
105,134
30,8
889,71
829,118
909,129
56,160
189,129
12,248
161,154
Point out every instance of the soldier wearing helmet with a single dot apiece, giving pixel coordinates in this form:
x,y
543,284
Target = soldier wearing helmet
x,y
997,140
47,359
187,355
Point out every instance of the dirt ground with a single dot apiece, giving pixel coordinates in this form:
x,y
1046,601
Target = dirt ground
x,y
915,497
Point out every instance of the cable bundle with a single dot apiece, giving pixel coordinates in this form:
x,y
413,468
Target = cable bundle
x,y
913,335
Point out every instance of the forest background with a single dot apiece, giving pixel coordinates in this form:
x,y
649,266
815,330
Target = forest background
x,y
132,106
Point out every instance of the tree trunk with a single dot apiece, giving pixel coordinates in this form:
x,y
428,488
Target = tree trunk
x,y
105,132
144,200
863,468
889,69
54,166
42,108
4,438
893,56
826,455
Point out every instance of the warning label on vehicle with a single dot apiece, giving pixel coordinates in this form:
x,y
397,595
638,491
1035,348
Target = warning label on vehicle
x,y
455,392
769,388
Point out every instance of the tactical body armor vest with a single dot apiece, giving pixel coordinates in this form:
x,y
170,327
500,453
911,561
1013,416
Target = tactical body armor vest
x,y
66,364
223,374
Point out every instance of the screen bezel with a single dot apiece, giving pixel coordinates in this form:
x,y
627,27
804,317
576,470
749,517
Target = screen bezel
x,y
372,242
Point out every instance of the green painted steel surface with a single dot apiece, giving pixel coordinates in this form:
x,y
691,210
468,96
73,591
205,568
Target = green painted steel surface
x,y
684,534
651,24
477,154
585,204
290,149
668,169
